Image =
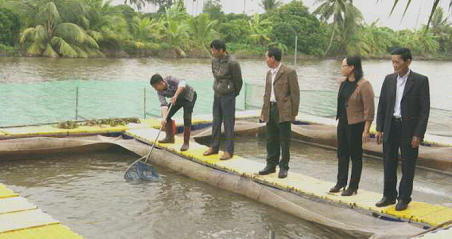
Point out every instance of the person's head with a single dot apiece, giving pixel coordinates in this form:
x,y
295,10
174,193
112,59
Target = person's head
x,y
351,65
273,57
401,60
157,82
218,48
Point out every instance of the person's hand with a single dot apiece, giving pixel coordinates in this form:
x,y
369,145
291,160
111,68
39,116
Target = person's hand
x,y
163,123
379,137
366,137
173,100
415,142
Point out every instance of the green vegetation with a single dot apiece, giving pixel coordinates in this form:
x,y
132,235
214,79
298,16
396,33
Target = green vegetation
x,y
112,122
95,28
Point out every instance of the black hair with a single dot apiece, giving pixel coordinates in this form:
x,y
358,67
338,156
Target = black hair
x,y
155,79
218,44
355,61
404,52
274,52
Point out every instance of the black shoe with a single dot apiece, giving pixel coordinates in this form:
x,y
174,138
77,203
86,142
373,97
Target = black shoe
x,y
385,202
336,188
349,192
283,172
268,170
401,205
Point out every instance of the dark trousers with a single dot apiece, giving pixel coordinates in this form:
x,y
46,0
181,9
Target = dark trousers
x,y
223,111
188,109
409,156
278,140
349,140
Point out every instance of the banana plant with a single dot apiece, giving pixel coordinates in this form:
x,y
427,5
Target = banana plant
x,y
260,29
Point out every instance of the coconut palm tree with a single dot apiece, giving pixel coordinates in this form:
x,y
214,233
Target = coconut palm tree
x,y
201,31
52,28
439,23
173,28
244,6
433,9
270,5
373,40
351,24
137,3
420,41
332,8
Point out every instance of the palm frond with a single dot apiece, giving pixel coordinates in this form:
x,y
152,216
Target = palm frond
x,y
70,32
63,47
50,52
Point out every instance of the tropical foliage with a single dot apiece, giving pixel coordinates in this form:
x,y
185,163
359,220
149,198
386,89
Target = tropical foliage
x,y
96,28
270,5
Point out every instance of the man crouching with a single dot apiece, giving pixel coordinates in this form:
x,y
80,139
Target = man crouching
x,y
182,95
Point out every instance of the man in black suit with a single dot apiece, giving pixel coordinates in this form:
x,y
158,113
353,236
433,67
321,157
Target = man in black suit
x,y
402,117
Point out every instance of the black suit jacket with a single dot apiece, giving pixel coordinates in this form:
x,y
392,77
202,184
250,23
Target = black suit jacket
x,y
415,105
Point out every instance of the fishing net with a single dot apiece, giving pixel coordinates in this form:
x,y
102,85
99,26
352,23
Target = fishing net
x,y
141,171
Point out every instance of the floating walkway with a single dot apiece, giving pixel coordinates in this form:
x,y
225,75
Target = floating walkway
x,y
418,212
20,219
52,130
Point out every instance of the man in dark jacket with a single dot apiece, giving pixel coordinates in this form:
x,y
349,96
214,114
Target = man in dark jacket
x,y
227,85
403,112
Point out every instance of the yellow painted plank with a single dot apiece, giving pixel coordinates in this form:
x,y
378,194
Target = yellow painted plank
x,y
146,135
6,192
197,154
422,212
417,211
56,231
438,217
33,130
243,167
155,123
24,220
15,204
151,123
54,130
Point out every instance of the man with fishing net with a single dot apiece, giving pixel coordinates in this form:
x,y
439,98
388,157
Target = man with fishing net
x,y
182,96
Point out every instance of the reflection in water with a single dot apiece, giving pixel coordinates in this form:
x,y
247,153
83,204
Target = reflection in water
x,y
87,193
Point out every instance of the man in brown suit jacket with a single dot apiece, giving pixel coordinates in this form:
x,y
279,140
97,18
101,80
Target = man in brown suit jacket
x,y
281,102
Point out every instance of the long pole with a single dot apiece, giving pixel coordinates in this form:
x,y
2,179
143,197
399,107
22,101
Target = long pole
x,y
245,96
296,50
272,235
144,102
76,103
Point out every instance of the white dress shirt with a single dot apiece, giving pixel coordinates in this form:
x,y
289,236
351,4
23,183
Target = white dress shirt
x,y
273,72
401,82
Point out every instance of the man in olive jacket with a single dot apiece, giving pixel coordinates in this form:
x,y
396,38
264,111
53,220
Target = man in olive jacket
x,y
281,102
227,85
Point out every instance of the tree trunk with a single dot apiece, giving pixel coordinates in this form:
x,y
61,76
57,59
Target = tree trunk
x,y
331,39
